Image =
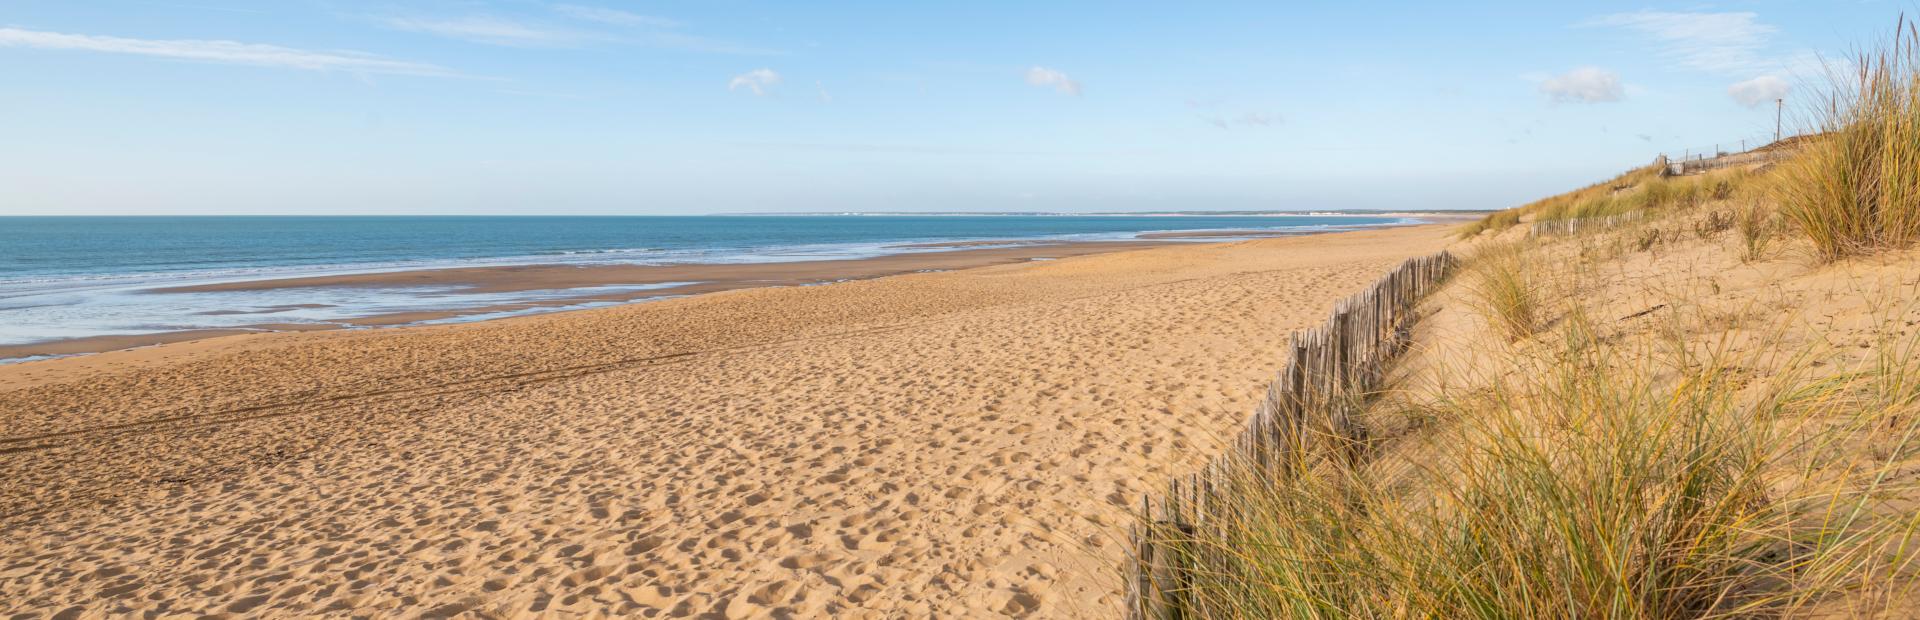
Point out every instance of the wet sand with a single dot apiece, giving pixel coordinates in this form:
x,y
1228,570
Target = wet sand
x,y
97,344
1228,234
963,444
709,278
712,277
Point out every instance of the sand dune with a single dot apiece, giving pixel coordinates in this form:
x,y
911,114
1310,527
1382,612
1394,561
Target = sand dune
x,y
963,443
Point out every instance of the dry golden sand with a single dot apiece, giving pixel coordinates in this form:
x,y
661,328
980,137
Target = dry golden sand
x,y
964,443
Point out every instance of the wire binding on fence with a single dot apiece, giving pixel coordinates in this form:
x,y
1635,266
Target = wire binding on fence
x,y
1308,413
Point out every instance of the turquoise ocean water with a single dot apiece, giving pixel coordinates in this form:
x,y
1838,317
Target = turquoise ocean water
x,y
70,277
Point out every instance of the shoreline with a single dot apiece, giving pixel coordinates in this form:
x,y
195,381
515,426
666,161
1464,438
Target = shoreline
x,y
682,280
575,284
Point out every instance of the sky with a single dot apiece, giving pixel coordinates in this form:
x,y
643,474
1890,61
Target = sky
x,y
726,106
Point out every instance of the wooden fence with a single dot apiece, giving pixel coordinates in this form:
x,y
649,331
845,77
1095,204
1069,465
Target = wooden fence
x,y
1328,375
1697,163
1562,227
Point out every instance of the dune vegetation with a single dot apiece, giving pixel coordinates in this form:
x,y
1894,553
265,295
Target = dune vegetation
x,y
1857,190
1703,401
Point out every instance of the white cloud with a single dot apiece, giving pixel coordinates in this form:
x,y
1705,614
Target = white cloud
x,y
758,81
1708,41
1584,85
1763,89
614,16
491,30
825,97
228,52
1059,82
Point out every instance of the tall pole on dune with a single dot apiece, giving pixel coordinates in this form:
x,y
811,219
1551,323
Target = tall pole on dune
x,y
1778,106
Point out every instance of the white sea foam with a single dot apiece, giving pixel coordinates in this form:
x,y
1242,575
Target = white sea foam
x,y
102,312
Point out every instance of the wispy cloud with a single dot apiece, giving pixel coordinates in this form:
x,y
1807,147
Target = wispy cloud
x,y
614,16
1245,120
1211,110
206,7
490,30
1733,42
542,94
641,30
1049,78
883,148
218,51
1763,89
1584,85
692,43
825,97
757,81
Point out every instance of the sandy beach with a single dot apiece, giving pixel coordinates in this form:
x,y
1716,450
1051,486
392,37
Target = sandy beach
x,y
964,443
743,310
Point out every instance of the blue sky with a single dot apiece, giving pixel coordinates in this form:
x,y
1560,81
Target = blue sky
x,y
631,107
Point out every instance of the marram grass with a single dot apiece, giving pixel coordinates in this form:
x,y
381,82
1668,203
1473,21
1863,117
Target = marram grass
x,y
1591,481
1856,187
1505,289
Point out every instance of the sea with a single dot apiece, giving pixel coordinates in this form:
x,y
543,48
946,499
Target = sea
x,y
76,277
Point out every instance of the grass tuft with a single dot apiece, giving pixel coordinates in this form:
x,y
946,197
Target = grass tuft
x,y
1505,290
1856,188
1755,225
